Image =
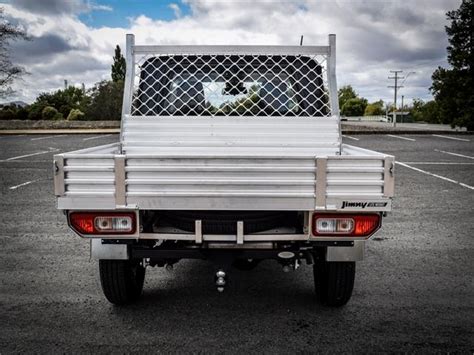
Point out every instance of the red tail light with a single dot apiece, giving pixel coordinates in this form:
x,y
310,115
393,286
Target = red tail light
x,y
345,225
88,223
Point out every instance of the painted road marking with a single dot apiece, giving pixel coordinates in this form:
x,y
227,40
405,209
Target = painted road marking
x,y
455,154
96,137
39,138
23,184
456,139
353,138
406,138
436,163
32,154
25,161
436,175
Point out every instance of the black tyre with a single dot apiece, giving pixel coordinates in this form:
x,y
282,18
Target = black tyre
x,y
334,282
121,280
245,264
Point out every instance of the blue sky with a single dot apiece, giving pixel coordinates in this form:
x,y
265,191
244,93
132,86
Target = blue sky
x,y
123,10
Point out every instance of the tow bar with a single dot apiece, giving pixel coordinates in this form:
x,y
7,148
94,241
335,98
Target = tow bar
x,y
220,279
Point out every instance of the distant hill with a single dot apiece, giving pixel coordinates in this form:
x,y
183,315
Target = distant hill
x,y
16,103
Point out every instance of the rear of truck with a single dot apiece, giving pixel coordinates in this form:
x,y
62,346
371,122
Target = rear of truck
x,y
231,154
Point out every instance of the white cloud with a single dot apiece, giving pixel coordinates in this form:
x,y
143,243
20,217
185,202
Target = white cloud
x,y
373,36
95,7
176,9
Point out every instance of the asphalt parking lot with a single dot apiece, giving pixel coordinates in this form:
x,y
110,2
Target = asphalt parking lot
x,y
414,291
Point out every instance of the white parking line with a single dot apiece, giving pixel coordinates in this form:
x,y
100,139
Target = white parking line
x,y
436,163
32,154
435,175
455,154
23,184
39,138
406,138
456,139
353,138
25,161
96,137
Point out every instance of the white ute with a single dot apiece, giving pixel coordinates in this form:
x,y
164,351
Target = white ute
x,y
231,154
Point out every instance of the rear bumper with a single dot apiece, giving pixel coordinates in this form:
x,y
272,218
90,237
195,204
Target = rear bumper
x,y
344,251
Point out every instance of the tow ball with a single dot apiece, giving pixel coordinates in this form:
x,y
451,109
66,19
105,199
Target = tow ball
x,y
220,280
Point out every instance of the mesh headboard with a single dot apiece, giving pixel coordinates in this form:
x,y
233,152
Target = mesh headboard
x,y
230,80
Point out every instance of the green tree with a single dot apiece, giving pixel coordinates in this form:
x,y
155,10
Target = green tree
x,y
75,115
431,112
118,66
374,109
7,113
416,110
105,101
453,88
9,72
62,100
35,110
22,113
13,112
345,93
425,111
354,107
49,113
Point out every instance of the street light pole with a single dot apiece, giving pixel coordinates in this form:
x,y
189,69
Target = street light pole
x,y
403,108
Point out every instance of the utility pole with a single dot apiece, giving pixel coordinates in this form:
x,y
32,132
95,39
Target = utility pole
x,y
65,84
396,87
301,40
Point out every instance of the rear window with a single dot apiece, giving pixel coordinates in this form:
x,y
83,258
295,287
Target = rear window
x,y
213,94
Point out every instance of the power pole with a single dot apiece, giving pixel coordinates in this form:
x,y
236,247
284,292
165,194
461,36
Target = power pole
x,y
396,87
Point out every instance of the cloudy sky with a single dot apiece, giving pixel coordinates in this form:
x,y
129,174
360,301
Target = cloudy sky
x,y
75,39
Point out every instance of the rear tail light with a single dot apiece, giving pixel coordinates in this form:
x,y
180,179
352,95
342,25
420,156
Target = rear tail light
x,y
345,225
103,222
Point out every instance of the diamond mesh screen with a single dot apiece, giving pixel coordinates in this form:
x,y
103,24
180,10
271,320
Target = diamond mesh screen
x,y
230,85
